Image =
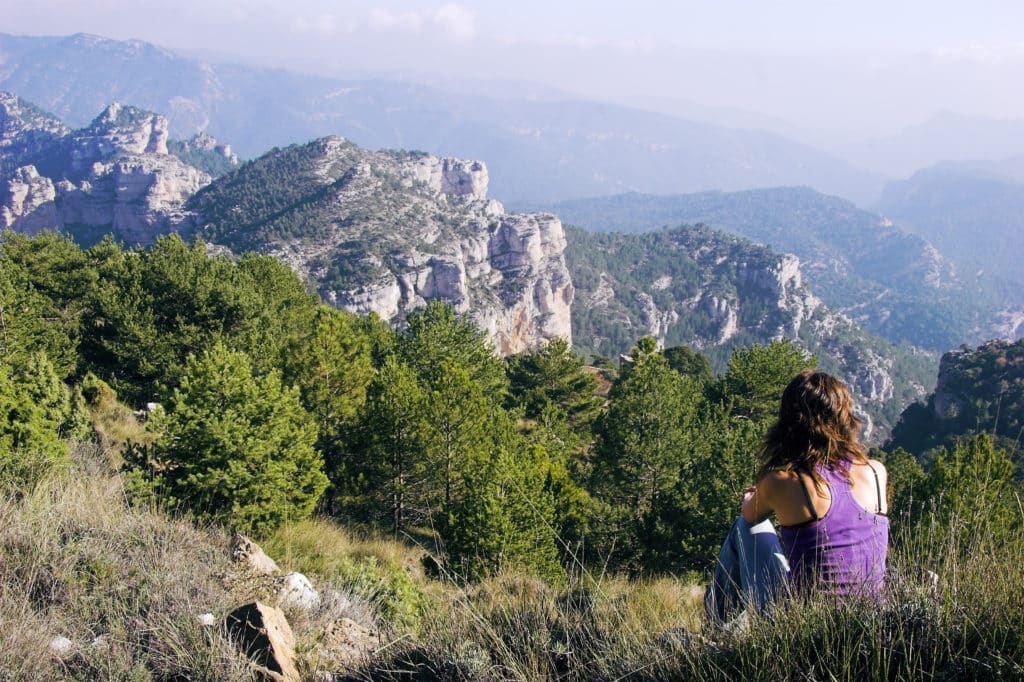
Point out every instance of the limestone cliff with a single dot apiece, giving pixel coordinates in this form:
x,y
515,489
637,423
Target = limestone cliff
x,y
113,176
978,390
385,232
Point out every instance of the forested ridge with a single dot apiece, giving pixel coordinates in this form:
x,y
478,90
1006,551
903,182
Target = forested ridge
x,y
891,282
246,404
697,286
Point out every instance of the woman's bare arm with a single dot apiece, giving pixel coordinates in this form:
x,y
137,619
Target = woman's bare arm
x,y
757,499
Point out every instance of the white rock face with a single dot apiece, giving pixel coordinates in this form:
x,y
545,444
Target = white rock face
x,y
205,142
464,178
522,257
1009,324
117,177
506,271
118,130
452,177
28,202
138,197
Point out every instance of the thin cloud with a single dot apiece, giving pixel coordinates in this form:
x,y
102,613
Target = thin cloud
x,y
456,20
324,24
452,20
386,20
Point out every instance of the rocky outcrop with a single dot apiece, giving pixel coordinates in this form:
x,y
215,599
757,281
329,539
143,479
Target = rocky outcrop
x,y
1009,324
381,232
137,197
298,592
28,202
247,553
26,133
385,232
710,291
450,177
509,275
113,176
117,130
204,142
20,119
657,322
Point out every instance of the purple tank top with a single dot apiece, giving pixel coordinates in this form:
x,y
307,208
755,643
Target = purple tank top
x,y
843,552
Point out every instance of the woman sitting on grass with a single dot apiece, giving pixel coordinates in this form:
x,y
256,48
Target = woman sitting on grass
x,y
828,498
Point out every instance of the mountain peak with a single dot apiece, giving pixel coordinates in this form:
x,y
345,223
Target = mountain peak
x,y
126,129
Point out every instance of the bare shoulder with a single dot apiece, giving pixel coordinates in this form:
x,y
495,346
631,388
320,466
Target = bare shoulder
x,y
779,485
879,469
760,501
776,480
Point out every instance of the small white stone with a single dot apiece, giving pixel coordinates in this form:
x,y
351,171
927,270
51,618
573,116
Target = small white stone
x,y
207,620
296,590
61,646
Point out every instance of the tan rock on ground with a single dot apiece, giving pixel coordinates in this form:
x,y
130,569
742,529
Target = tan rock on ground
x,y
244,550
264,634
345,644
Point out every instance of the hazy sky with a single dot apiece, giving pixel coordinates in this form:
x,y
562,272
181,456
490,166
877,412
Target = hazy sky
x,y
866,66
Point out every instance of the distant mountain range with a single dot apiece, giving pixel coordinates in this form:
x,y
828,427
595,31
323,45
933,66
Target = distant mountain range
x,y
540,150
946,136
387,231
975,213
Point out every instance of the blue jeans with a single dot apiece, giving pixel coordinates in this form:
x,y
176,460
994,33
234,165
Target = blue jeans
x,y
751,572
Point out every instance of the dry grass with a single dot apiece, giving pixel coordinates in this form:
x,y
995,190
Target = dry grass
x,y
115,423
126,586
322,547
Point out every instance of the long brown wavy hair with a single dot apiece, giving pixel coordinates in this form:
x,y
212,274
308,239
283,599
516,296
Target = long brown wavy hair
x,y
816,425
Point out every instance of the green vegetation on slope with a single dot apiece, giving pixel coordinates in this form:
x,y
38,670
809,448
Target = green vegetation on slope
x,y
212,161
886,278
528,495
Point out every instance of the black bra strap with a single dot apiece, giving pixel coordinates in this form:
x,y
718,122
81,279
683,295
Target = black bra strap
x,y
878,490
807,496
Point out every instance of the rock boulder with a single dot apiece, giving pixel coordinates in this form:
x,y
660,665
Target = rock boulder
x,y
264,634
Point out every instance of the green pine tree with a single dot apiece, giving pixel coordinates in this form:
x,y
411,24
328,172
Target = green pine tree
x,y
504,518
642,442
237,447
758,375
330,363
395,473
689,363
35,408
554,376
